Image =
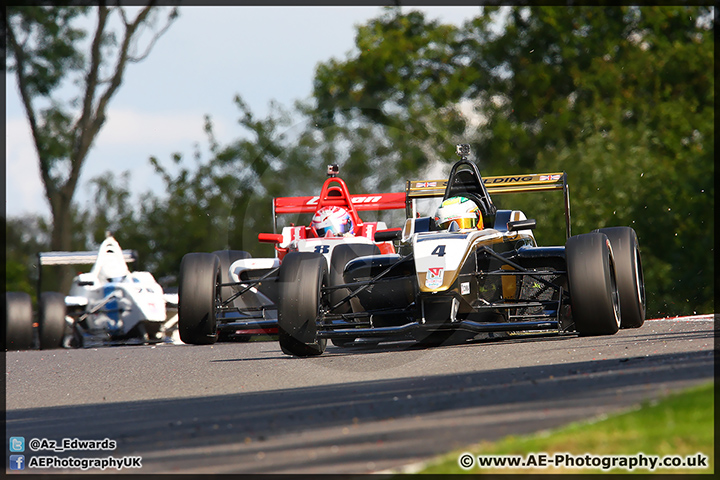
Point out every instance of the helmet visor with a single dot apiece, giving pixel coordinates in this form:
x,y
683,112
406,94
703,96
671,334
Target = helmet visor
x,y
463,222
467,222
322,231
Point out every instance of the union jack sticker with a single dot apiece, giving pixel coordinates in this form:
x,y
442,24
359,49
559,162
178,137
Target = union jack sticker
x,y
545,178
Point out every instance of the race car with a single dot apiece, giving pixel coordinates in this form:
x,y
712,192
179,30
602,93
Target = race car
x,y
229,295
468,270
108,305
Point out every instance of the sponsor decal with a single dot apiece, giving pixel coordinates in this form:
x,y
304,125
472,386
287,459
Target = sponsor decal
x,y
465,288
507,180
434,278
356,199
370,199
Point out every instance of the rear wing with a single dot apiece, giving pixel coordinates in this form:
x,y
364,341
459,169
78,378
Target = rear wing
x,y
373,201
361,203
535,182
77,258
73,258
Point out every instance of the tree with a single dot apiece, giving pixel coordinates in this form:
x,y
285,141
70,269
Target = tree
x,y
24,238
623,100
210,203
619,97
45,50
399,91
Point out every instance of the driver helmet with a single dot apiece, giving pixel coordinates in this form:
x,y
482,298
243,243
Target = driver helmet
x,y
461,210
332,221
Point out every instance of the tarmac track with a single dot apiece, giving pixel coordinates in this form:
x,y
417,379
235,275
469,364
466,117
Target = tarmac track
x,y
247,408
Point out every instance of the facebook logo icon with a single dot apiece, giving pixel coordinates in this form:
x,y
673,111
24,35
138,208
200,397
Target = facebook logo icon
x,y
17,462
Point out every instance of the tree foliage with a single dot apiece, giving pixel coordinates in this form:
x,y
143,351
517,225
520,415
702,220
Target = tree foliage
x,y
24,238
402,86
621,98
47,52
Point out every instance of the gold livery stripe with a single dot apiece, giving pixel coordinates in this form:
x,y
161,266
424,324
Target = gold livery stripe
x,y
533,182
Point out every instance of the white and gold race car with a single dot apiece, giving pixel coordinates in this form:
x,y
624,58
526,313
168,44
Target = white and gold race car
x,y
466,271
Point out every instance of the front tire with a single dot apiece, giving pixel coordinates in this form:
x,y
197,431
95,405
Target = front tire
x,y
301,278
592,283
630,281
51,320
18,326
198,294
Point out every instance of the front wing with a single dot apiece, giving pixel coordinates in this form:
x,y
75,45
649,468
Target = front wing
x,y
540,301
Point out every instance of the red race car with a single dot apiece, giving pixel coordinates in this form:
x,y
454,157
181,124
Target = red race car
x,y
228,294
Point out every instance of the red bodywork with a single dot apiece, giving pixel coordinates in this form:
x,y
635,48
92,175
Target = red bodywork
x,y
335,192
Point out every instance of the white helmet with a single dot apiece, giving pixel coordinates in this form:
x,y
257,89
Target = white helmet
x,y
461,210
333,221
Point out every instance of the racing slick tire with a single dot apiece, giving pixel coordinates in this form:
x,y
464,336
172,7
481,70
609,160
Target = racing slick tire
x,y
51,320
19,321
631,285
198,293
594,298
341,255
300,280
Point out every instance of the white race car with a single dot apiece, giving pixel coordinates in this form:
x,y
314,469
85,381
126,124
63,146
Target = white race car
x,y
108,305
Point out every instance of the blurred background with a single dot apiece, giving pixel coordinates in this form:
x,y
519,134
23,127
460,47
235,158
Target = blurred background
x,y
175,127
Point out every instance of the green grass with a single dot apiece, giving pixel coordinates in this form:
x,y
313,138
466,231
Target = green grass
x,y
680,424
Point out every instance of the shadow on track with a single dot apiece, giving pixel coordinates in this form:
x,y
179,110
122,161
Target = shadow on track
x,y
247,422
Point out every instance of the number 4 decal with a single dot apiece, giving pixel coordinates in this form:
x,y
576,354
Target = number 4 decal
x,y
439,251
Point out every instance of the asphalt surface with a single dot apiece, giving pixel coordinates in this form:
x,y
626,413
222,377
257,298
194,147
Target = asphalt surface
x,y
247,408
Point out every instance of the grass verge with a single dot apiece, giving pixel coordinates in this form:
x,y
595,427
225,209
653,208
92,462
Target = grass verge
x,y
679,425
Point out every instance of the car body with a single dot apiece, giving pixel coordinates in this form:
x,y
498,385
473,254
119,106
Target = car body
x,y
444,285
108,305
229,295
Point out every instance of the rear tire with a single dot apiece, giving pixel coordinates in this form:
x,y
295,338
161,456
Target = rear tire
x,y
301,278
51,320
19,321
630,281
592,283
198,294
341,255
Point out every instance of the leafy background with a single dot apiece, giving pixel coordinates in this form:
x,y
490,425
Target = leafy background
x,y
620,98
